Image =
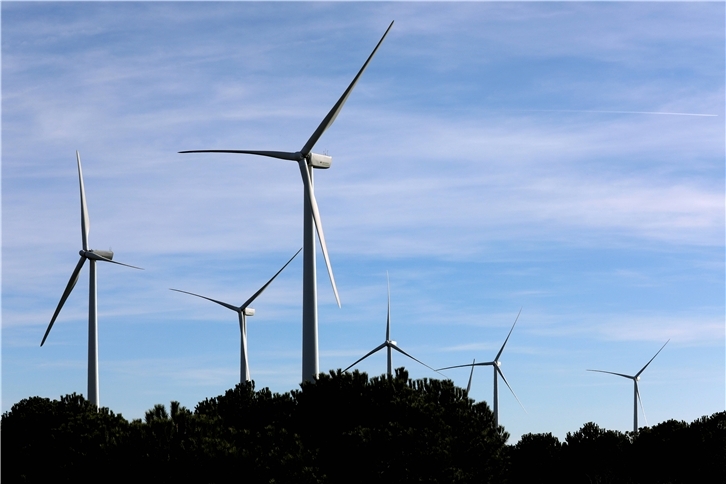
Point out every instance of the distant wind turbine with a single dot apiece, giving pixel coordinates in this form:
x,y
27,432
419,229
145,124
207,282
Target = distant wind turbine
x,y
496,364
636,393
92,256
389,344
243,311
307,160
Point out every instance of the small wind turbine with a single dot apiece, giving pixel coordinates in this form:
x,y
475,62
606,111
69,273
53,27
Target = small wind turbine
x,y
636,393
496,364
307,160
243,311
92,256
389,344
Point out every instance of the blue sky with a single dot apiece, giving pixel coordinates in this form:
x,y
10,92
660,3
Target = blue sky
x,y
494,156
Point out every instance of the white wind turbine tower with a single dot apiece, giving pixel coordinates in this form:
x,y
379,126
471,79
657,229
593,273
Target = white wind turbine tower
x,y
636,393
389,344
92,256
243,311
496,364
307,160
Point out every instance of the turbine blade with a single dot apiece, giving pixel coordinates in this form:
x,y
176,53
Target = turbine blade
x,y
612,373
510,334
69,287
414,359
330,117
318,224
281,155
122,264
646,365
100,257
640,400
468,364
228,306
85,222
388,313
510,388
471,374
378,348
259,291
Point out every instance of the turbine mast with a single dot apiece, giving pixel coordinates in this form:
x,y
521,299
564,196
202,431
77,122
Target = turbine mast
x,y
93,394
244,365
496,397
310,368
635,405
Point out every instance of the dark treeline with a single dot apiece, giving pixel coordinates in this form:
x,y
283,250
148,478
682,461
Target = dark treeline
x,y
343,428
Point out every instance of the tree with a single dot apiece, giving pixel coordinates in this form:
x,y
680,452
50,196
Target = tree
x,y
536,458
60,440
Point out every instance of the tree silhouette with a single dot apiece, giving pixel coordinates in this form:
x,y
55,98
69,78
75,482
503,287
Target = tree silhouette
x,y
344,427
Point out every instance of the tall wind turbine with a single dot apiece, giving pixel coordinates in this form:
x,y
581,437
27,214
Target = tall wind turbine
x,y
243,311
92,256
636,393
496,364
389,344
307,160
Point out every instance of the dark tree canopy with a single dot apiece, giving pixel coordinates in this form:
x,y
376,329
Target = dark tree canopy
x,y
668,453
342,428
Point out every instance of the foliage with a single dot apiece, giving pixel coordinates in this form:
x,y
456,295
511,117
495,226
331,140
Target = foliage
x,y
668,453
344,427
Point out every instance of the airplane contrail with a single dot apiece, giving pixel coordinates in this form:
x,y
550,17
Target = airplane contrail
x,y
620,112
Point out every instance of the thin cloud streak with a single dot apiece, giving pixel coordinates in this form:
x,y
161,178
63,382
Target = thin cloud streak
x,y
615,112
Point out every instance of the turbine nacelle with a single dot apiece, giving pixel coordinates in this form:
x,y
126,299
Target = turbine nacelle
x,y
498,363
392,342
249,312
96,254
319,161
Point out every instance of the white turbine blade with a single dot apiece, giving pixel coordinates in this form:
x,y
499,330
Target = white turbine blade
x,y
85,222
281,155
471,374
646,365
105,259
378,348
414,359
467,365
510,388
69,287
510,334
640,400
388,313
318,225
122,264
228,306
259,291
330,117
612,373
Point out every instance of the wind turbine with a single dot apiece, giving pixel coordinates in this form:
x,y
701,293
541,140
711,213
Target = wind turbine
x,y
636,393
496,364
243,311
389,344
92,256
307,160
